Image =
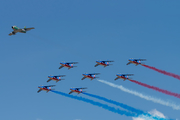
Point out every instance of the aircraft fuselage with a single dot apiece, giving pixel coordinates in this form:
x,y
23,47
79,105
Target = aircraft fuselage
x,y
102,64
17,29
88,76
44,89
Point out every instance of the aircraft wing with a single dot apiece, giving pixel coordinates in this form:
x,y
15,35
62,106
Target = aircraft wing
x,y
62,75
142,59
83,78
129,74
96,65
50,86
109,61
81,88
73,62
29,28
70,92
128,63
116,78
49,80
95,74
39,91
61,67
12,33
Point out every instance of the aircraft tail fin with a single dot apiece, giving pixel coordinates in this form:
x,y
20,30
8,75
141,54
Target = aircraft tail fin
x,y
24,26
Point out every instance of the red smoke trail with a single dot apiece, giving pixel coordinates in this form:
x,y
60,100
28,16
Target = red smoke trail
x,y
157,89
163,72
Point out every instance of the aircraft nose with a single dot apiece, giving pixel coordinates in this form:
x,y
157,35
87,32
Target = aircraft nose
x,y
12,26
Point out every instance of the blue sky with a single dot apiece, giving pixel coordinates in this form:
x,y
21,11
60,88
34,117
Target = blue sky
x,y
86,31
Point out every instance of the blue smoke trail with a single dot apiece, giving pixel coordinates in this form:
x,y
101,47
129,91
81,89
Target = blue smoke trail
x,y
139,112
112,109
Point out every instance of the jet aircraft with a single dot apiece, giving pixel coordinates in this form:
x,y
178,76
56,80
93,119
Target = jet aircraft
x,y
90,76
76,90
21,30
45,88
123,76
55,78
68,65
103,63
135,61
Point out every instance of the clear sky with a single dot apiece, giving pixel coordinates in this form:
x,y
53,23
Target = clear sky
x,y
86,31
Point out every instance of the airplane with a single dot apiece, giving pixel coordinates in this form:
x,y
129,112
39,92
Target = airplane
x,y
135,61
55,78
45,88
76,90
123,76
90,76
21,30
68,65
103,63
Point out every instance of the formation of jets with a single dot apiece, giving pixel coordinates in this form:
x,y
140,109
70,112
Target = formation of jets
x,y
91,76
70,65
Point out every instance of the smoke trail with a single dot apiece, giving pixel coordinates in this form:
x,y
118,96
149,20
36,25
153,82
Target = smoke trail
x,y
112,109
157,89
139,112
150,98
163,72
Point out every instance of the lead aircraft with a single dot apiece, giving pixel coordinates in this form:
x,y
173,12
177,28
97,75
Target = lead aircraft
x,y
21,30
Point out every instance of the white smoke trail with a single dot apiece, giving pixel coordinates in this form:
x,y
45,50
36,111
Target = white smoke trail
x,y
150,98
